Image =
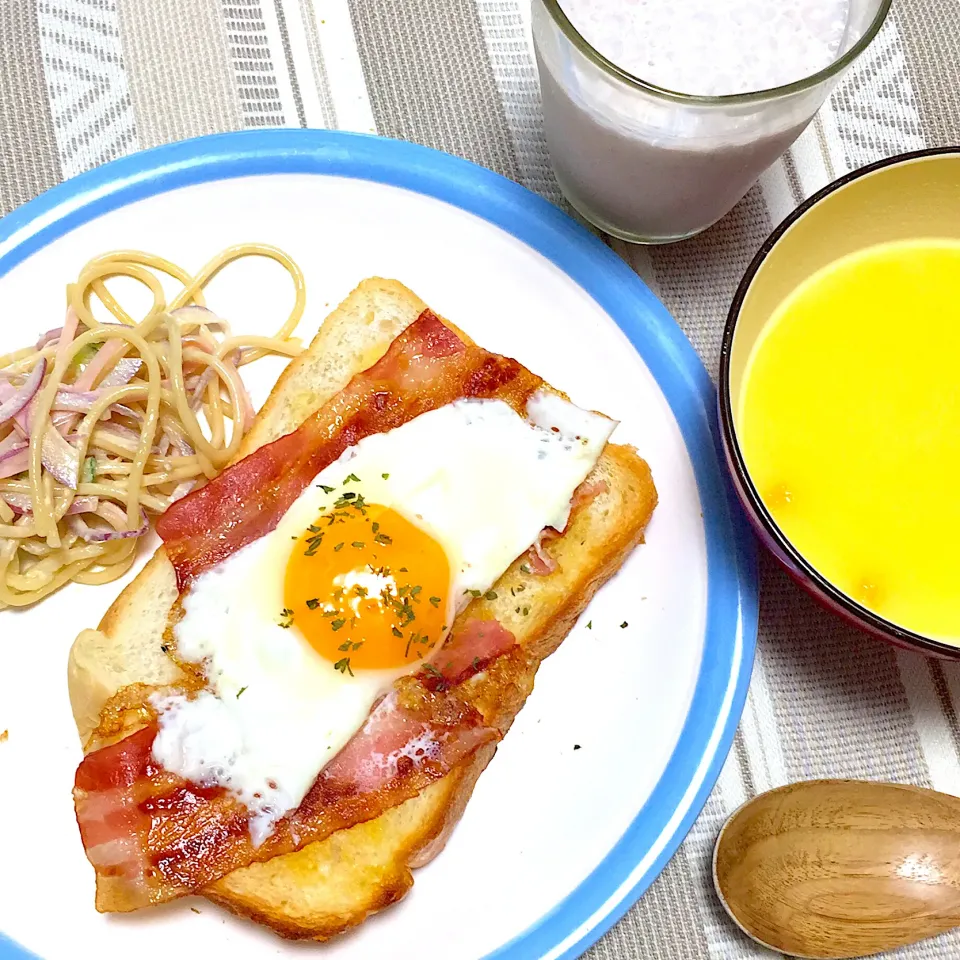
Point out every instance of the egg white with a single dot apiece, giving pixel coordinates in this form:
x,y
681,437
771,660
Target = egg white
x,y
479,478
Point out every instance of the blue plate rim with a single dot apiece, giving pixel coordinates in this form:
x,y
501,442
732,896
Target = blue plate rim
x,y
582,917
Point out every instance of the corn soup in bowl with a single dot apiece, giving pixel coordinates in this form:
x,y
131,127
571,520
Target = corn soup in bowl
x,y
840,398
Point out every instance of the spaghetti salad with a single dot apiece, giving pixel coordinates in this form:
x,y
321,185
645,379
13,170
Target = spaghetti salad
x,y
105,424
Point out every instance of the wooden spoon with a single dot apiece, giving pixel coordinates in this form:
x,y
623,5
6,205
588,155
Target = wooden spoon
x,y
841,868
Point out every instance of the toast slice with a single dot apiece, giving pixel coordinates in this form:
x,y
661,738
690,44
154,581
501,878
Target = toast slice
x,y
331,885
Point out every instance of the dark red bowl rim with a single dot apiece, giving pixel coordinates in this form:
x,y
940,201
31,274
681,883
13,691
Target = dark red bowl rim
x,y
755,505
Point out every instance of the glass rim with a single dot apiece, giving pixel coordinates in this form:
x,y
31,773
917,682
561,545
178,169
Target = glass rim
x,y
728,99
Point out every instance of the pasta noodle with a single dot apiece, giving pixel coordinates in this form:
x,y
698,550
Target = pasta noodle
x,y
104,424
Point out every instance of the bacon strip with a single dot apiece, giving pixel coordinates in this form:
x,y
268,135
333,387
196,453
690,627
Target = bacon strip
x,y
425,368
109,787
587,492
155,836
538,560
467,651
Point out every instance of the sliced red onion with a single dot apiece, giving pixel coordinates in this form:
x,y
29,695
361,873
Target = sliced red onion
x,y
36,547
10,441
19,502
64,423
119,432
14,461
91,535
181,446
126,411
22,504
75,400
197,398
60,459
82,529
81,402
25,394
181,490
246,406
112,514
125,370
13,449
208,318
48,336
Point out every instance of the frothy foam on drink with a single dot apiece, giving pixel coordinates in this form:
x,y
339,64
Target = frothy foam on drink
x,y
714,47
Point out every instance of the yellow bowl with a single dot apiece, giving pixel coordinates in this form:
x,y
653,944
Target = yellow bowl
x,y
908,197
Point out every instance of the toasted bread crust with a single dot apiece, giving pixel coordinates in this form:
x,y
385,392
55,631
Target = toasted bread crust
x,y
334,884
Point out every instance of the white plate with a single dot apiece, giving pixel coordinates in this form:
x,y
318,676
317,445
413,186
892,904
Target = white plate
x,y
556,842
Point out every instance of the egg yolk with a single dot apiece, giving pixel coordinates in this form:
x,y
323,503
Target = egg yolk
x,y
367,588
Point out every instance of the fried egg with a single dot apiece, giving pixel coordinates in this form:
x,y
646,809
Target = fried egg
x,y
300,632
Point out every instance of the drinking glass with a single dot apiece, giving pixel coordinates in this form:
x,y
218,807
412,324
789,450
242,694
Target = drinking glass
x,y
650,165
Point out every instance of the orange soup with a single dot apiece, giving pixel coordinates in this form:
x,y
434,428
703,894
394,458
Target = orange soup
x,y
849,423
